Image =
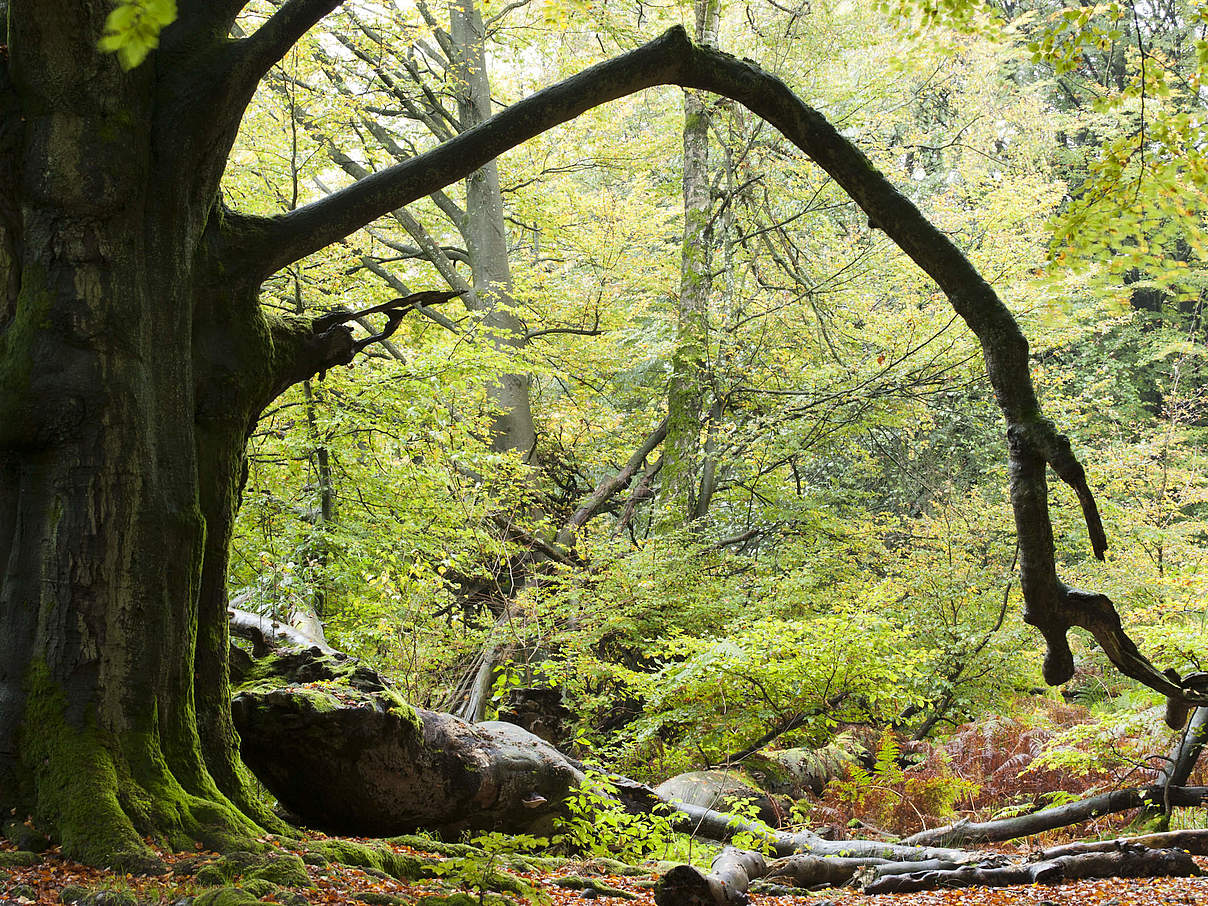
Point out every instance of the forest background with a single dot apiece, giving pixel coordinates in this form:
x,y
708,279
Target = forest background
x,y
697,445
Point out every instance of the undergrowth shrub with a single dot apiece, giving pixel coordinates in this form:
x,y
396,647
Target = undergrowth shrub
x,y
997,767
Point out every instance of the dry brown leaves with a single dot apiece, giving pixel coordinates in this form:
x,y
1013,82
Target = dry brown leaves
x,y
337,885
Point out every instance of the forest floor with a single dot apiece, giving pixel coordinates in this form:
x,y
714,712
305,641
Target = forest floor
x,y
54,879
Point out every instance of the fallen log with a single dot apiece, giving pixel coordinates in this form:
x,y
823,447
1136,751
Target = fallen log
x,y
723,885
714,825
1127,861
811,871
266,634
1058,816
726,884
1192,841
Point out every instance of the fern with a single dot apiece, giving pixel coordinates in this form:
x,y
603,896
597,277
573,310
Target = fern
x,y
886,767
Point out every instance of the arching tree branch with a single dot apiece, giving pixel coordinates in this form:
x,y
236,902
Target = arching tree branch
x,y
1033,441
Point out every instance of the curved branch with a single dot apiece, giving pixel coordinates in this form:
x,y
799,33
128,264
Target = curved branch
x,y
1033,440
271,41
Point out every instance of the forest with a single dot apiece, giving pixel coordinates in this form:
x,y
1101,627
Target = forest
x,y
521,451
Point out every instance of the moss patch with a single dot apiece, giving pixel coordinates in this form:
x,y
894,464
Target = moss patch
x,y
596,886
108,898
19,859
76,781
432,845
260,888
456,899
383,899
277,869
314,676
226,896
401,866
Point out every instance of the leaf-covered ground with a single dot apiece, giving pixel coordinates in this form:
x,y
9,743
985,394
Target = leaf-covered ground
x,y
54,879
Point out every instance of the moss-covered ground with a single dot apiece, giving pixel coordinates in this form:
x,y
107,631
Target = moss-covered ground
x,y
412,871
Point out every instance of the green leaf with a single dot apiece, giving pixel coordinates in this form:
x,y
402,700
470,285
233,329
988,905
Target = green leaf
x,y
132,29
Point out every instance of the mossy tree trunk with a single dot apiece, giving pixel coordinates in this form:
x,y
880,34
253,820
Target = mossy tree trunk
x,y
678,492
134,357
131,369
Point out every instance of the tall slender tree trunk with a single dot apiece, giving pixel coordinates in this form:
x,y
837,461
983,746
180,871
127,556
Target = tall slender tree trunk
x,y
681,474
486,236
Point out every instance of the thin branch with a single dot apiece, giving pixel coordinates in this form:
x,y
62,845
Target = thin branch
x,y
607,488
395,310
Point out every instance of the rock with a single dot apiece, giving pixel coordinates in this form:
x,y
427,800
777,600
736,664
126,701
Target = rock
x,y
24,836
349,756
810,770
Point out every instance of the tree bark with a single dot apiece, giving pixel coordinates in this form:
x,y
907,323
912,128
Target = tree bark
x,y
685,391
486,236
1059,816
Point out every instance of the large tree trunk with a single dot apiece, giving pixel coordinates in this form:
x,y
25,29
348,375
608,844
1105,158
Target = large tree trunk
x,y
101,533
131,369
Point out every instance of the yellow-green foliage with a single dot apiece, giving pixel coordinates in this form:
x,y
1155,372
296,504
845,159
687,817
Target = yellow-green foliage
x,y
132,29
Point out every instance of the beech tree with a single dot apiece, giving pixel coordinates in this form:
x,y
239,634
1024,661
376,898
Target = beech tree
x,y
135,358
